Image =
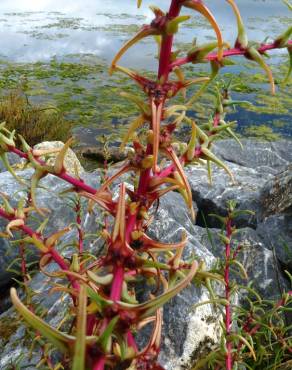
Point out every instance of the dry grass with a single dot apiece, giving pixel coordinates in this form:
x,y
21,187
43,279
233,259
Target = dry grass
x,y
33,122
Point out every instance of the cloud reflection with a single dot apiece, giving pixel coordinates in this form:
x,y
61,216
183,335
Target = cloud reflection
x,y
34,35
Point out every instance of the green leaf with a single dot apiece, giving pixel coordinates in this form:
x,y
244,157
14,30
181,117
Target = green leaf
x,y
80,343
99,300
105,338
61,340
147,308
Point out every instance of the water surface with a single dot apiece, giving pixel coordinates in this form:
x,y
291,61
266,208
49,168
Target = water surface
x,y
61,48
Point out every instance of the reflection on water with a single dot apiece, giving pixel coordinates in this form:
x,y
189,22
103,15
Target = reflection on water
x,y
36,30
89,32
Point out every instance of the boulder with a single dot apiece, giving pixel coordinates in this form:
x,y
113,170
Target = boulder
x,y
276,233
276,195
213,198
13,159
256,167
71,162
265,157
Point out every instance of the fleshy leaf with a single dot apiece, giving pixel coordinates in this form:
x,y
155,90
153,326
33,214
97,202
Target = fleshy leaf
x,y
173,24
201,8
242,40
60,340
7,165
144,32
80,342
119,226
105,338
155,246
14,224
210,156
147,308
134,125
59,162
156,118
254,55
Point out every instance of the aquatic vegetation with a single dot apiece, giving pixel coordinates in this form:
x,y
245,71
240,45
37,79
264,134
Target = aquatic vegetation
x,y
36,123
262,132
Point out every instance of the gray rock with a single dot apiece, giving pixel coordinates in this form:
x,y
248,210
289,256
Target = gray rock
x,y
258,185
213,199
71,162
276,195
266,157
276,232
13,159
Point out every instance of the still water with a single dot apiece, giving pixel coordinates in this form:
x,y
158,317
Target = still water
x,y
35,30
41,30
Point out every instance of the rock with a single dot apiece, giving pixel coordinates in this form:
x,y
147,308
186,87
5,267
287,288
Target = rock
x,y
71,162
213,199
97,153
276,232
258,164
265,157
188,334
13,159
276,195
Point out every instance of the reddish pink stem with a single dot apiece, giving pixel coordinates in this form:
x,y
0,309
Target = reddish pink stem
x,y
55,255
167,41
227,53
116,288
130,226
99,365
78,184
228,317
131,341
79,223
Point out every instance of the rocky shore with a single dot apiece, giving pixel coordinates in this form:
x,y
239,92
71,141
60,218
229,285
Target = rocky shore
x,y
263,183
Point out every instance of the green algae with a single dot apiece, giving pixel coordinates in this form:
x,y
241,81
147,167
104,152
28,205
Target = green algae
x,y
262,132
79,86
8,327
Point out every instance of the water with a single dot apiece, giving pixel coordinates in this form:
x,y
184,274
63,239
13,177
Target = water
x,y
37,30
60,30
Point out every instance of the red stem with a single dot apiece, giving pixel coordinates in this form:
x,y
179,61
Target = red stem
x,y
228,317
78,221
117,285
54,254
167,41
99,365
227,53
131,341
78,184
